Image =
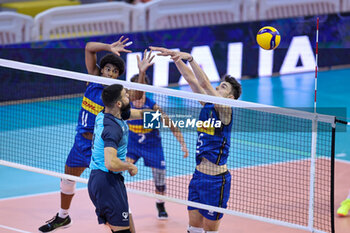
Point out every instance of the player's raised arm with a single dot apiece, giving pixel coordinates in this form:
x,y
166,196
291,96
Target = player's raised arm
x,y
200,75
176,131
143,65
137,113
92,48
185,71
224,90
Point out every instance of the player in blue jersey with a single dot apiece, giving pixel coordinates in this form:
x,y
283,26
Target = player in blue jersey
x,y
111,66
147,144
211,180
106,183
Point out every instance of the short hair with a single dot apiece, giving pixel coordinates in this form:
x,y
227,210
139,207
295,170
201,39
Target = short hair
x,y
111,94
236,86
135,79
114,60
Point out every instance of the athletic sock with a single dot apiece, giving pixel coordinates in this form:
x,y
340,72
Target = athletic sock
x,y
62,213
192,229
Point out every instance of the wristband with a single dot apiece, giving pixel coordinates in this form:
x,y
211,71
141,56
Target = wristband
x,y
190,60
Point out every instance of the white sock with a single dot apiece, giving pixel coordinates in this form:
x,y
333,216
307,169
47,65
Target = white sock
x,y
192,229
159,201
211,232
62,213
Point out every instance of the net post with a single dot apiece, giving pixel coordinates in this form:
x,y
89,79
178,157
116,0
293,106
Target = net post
x,y
312,174
332,178
313,144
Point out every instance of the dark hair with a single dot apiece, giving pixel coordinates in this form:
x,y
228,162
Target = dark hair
x,y
236,86
111,94
135,79
114,60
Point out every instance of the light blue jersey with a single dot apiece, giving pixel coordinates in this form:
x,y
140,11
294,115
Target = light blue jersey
x,y
108,132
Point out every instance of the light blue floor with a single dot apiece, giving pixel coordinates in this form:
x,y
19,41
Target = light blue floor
x,y
293,91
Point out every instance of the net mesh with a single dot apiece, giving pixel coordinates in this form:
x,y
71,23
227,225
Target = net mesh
x,y
269,158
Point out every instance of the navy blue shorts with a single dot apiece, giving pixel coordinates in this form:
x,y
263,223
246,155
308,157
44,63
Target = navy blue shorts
x,y
209,190
108,193
80,154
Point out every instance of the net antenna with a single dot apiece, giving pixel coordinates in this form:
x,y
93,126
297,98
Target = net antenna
x,y
313,146
316,65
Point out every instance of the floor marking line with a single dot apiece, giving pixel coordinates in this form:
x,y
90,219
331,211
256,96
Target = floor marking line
x,y
13,229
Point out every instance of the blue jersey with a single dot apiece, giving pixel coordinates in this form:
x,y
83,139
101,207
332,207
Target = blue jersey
x,y
109,131
91,105
138,134
213,143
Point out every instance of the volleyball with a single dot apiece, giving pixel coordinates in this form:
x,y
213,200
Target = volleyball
x,y
268,38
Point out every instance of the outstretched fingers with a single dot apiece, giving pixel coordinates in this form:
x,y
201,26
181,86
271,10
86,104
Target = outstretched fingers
x,y
125,40
163,51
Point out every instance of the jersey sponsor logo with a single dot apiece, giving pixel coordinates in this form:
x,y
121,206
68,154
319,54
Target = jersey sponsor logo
x,y
91,106
209,127
208,130
139,129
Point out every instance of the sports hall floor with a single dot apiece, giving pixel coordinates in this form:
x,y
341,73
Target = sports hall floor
x,y
28,199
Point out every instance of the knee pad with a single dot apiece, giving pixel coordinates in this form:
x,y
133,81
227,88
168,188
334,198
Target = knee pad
x,y
67,186
158,176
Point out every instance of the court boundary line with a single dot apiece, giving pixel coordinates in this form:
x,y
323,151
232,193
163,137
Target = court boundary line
x,y
342,160
13,229
34,195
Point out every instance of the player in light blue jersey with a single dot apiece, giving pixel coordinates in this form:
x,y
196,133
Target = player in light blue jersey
x,y
110,140
110,66
147,144
211,180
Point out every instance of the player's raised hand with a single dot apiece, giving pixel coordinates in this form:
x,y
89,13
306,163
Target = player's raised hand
x,y
181,56
163,51
146,61
119,46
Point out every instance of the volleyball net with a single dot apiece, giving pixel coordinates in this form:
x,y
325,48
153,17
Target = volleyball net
x,y
281,161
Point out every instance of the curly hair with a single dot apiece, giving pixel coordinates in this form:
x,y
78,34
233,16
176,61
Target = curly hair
x,y
114,60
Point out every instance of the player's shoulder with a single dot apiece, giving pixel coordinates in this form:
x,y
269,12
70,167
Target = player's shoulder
x,y
111,121
94,87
